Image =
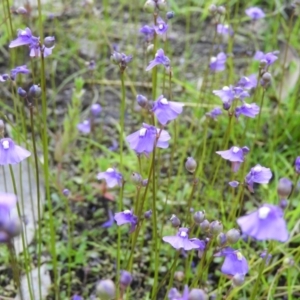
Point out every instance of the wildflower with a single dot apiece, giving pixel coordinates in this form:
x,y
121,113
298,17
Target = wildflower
x,y
181,240
112,177
21,92
142,101
248,110
49,41
234,263
235,155
266,223
18,70
269,57
234,184
229,93
214,113
285,187
125,279
233,235
148,32
4,77
84,127
110,220
10,153
201,244
165,110
159,59
25,37
106,289
96,109
258,174
126,217
217,63
255,13
191,165
175,295
121,59
224,29
248,82
34,91
297,165
161,26
144,140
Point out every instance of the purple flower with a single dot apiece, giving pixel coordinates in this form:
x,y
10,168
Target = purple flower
x,y
269,57
258,174
248,110
175,295
161,26
77,297
25,37
10,153
297,165
181,240
159,59
266,223
110,220
84,127
125,217
224,29
148,32
248,82
125,278
234,183
7,203
18,70
255,13
96,109
121,59
201,244
228,93
217,63
143,140
165,110
214,113
4,77
234,263
235,155
112,177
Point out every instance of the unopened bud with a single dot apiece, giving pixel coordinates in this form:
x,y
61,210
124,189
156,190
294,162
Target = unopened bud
x,y
221,239
179,275
49,41
283,203
96,109
106,289
288,261
226,105
125,279
136,178
144,182
142,101
199,217
21,10
170,15
204,225
150,6
161,5
175,221
148,214
191,165
197,294
215,227
22,93
233,235
221,10
66,192
34,91
213,9
284,188
238,280
266,77
116,58
263,63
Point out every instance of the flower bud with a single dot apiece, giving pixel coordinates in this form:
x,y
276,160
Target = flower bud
x,y
245,150
238,280
197,294
199,217
34,91
106,289
170,15
179,276
204,225
150,48
288,261
21,10
125,279
5,77
233,235
175,221
297,165
284,188
22,93
148,214
142,101
212,9
150,6
66,192
283,203
190,165
136,178
266,77
215,227
161,5
116,58
263,63
221,239
221,10
49,41
96,109
144,182
226,105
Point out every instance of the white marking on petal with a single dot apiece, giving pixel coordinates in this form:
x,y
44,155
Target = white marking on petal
x,y
127,212
143,131
5,144
226,26
239,255
257,169
23,32
110,170
226,88
213,59
164,101
263,212
235,149
183,234
86,122
160,26
247,105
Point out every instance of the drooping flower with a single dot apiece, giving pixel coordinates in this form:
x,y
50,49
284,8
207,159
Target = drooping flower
x,y
18,70
248,82
235,155
258,174
165,110
234,263
84,127
201,244
224,29
217,63
269,57
266,223
127,217
112,177
255,13
214,113
248,110
148,32
10,153
159,59
181,240
161,26
144,140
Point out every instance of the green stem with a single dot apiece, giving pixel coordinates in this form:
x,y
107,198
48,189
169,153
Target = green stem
x,y
122,116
